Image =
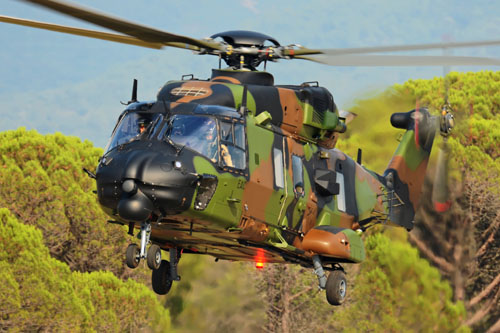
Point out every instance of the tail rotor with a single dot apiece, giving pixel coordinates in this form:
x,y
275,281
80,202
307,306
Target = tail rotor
x,y
440,191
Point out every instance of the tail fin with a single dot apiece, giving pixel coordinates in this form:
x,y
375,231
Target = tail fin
x,y
405,173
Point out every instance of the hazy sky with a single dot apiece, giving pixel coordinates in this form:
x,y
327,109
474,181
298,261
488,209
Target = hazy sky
x,y
55,82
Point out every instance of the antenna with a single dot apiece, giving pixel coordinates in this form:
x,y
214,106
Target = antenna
x,y
243,106
134,92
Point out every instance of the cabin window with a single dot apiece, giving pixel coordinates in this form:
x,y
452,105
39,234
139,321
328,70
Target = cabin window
x,y
341,196
232,147
298,177
279,177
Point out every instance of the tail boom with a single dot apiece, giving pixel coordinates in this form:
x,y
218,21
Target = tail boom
x,y
405,173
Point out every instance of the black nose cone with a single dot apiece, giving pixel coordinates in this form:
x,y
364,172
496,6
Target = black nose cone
x,y
136,208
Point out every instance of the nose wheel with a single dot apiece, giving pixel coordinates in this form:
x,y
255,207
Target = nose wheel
x,y
133,256
153,257
135,253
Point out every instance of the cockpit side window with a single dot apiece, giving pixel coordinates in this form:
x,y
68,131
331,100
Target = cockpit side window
x,y
226,132
156,126
232,148
239,135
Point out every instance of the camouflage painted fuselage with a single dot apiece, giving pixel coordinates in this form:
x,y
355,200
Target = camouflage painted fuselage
x,y
291,195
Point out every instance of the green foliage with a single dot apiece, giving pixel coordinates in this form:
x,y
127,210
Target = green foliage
x,y
40,293
194,270
43,184
394,287
291,297
475,100
396,291
221,297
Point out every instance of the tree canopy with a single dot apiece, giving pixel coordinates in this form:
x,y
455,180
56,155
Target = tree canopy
x,y
41,293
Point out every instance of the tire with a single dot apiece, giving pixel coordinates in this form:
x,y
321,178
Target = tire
x,y
160,278
154,257
132,256
336,287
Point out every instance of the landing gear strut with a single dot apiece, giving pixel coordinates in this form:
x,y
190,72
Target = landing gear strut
x,y
163,271
335,285
135,254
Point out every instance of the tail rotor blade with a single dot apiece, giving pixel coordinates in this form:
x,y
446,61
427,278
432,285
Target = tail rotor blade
x,y
440,191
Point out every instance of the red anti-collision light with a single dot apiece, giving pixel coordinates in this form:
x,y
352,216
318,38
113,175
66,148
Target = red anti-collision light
x,y
260,259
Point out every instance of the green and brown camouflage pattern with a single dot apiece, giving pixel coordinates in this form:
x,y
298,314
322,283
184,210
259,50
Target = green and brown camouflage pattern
x,y
306,112
259,207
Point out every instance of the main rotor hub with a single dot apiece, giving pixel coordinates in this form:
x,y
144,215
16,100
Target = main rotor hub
x,y
247,49
446,121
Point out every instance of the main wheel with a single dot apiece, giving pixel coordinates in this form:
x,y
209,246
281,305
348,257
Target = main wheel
x,y
160,278
154,257
133,256
336,287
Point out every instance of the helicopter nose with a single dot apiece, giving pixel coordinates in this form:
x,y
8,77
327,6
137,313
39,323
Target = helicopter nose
x,y
137,207
144,180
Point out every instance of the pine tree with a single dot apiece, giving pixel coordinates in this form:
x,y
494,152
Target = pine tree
x,y
40,293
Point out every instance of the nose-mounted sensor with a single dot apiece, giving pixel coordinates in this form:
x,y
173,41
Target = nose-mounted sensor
x,y
129,186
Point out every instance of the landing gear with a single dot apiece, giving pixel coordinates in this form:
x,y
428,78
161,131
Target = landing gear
x,y
336,287
133,256
135,253
163,277
154,257
163,271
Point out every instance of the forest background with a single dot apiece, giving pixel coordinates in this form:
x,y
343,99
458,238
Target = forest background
x,y
62,265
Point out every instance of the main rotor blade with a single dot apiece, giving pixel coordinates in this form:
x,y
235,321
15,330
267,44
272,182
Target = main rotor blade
x,y
399,60
396,48
81,32
138,31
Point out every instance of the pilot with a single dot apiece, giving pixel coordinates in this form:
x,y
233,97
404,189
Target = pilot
x,y
211,143
299,190
226,156
142,126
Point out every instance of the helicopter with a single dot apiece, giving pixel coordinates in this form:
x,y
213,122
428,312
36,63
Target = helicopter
x,y
241,169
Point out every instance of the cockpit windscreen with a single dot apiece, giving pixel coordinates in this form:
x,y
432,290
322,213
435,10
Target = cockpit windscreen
x,y
130,127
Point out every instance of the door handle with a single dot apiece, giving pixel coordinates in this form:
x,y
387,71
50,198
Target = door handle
x,y
282,198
